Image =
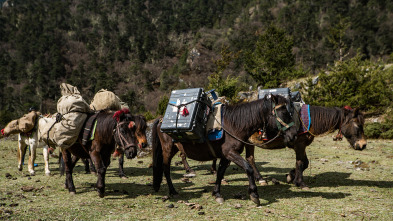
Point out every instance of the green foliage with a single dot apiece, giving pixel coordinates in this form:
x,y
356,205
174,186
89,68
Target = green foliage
x,y
228,86
149,116
382,130
272,61
355,82
162,104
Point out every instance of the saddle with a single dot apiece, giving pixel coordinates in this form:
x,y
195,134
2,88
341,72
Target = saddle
x,y
89,128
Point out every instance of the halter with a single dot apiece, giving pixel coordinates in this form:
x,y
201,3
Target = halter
x,y
339,136
123,141
282,126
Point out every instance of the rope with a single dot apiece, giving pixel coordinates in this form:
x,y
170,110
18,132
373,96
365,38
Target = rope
x,y
253,144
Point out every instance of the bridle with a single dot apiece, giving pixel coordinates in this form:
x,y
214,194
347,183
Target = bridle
x,y
123,141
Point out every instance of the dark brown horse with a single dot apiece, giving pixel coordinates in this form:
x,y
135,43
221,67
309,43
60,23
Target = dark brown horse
x,y
348,121
240,122
140,133
111,130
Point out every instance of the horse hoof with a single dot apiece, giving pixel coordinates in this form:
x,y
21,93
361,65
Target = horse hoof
x,y
20,168
72,193
175,196
101,195
220,200
289,178
255,200
47,174
305,188
32,174
124,177
189,175
94,173
263,182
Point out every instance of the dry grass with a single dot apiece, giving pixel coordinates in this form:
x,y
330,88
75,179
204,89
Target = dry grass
x,y
339,190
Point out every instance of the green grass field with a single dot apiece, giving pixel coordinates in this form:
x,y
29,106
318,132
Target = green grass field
x,y
345,185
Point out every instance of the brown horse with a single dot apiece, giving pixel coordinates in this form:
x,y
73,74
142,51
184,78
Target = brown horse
x,y
240,122
112,129
348,121
140,134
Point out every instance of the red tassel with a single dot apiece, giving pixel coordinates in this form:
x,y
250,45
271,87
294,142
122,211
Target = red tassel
x,y
347,108
117,114
185,112
2,132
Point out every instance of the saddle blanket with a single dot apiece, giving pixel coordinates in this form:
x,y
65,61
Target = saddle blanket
x,y
305,118
89,129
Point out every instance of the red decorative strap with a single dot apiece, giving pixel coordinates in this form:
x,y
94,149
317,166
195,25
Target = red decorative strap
x,y
347,107
2,131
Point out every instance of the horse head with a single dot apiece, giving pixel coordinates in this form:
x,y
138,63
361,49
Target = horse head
x,y
280,118
352,128
140,131
124,133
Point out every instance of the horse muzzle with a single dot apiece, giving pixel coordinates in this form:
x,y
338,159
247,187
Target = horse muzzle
x,y
130,151
360,145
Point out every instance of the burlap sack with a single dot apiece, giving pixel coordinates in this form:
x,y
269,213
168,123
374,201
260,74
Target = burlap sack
x,y
105,100
214,121
12,128
21,125
27,122
73,109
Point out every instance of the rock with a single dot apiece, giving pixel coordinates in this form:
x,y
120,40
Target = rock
x,y
238,206
171,205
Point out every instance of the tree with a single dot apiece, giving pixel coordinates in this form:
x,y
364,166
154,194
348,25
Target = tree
x,y
272,60
225,87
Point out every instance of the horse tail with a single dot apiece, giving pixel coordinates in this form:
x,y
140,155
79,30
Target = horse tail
x,y
158,159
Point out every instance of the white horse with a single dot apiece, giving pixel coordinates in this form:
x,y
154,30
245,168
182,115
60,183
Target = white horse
x,y
34,140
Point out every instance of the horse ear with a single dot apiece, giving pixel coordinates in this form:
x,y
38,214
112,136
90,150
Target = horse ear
x,y
355,112
274,98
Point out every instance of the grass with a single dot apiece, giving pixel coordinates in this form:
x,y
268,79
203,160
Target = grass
x,y
345,185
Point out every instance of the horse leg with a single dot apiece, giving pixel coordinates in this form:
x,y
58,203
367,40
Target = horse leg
x,y
32,156
121,166
101,170
213,168
296,175
45,152
242,163
91,166
185,163
168,154
251,160
68,168
223,165
21,152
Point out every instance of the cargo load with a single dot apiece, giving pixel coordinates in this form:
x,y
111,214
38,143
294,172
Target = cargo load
x,y
106,100
72,112
285,92
186,115
22,125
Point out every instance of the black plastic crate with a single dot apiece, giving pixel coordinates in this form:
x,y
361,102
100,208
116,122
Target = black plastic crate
x,y
187,127
285,92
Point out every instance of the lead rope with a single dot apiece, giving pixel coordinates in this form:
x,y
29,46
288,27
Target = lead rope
x,y
252,144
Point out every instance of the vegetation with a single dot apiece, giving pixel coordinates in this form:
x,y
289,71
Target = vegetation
x,y
344,185
142,50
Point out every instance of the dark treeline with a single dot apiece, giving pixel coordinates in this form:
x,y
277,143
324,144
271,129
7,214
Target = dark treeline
x,y
143,49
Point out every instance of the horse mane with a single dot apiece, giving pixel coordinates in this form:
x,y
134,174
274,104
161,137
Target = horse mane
x,y
240,116
140,121
324,119
106,122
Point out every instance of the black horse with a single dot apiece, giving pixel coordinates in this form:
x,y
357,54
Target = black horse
x,y
348,121
240,122
111,130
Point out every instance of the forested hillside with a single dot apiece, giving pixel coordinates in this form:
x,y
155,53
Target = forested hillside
x,y
142,50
